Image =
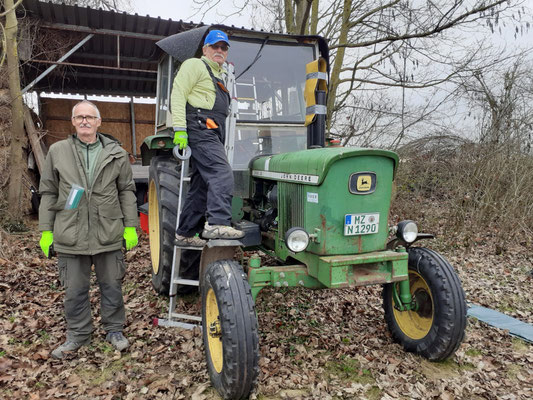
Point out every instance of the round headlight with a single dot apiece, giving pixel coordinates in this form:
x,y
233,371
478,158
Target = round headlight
x,y
407,231
296,239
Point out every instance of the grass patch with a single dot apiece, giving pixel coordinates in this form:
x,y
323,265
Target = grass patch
x,y
374,393
45,337
129,286
519,345
473,352
441,370
513,370
96,376
348,369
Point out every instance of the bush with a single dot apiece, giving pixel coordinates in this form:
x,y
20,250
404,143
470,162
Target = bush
x,y
480,186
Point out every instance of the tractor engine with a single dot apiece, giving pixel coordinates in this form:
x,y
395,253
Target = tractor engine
x,y
265,203
339,197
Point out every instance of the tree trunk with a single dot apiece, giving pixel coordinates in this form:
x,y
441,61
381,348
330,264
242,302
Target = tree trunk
x,y
17,114
289,16
339,59
314,18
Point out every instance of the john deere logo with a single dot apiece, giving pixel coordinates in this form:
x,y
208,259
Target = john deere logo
x,y
362,183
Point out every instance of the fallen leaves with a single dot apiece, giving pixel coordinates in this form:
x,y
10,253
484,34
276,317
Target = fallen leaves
x,y
314,344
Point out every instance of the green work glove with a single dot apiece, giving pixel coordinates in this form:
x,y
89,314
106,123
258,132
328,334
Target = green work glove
x,y
180,139
47,238
130,236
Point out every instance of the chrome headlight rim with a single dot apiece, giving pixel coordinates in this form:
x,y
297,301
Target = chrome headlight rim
x,y
296,239
407,231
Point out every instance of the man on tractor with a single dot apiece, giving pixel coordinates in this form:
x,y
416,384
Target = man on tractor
x,y
200,104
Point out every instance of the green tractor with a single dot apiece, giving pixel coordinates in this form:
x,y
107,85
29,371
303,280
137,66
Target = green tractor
x,y
320,211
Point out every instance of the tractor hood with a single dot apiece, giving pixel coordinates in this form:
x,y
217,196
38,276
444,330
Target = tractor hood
x,y
310,166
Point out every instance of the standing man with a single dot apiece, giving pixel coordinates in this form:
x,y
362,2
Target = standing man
x,y
200,104
87,209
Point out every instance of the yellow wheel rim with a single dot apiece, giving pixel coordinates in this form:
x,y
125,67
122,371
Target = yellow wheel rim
x,y
214,333
417,324
153,226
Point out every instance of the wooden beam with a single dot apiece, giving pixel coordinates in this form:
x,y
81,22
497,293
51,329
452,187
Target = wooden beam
x,y
35,140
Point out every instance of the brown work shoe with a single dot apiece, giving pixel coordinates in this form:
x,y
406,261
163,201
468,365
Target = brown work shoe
x,y
193,241
221,232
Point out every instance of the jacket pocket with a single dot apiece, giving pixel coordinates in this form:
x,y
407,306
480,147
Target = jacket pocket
x,y
110,224
121,266
66,227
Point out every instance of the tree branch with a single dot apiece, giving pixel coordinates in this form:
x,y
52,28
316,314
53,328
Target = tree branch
x,y
437,29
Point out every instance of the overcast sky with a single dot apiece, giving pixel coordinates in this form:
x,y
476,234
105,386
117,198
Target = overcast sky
x,y
183,9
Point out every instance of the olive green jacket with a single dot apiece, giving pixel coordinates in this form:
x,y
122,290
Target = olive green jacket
x,y
97,224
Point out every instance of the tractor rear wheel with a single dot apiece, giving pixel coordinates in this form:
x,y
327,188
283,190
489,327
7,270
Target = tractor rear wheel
x,y
436,329
163,186
230,331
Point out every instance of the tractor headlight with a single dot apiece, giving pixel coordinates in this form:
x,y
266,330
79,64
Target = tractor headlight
x,y
407,231
296,239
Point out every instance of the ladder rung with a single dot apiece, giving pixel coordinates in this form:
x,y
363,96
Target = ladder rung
x,y
186,179
183,325
246,98
188,247
186,316
189,282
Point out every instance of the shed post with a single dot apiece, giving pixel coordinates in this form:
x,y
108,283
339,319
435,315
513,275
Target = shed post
x,y
133,140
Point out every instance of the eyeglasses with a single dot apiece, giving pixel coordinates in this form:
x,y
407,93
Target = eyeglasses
x,y
79,118
223,47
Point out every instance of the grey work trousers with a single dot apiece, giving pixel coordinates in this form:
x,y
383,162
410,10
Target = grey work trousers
x,y
75,274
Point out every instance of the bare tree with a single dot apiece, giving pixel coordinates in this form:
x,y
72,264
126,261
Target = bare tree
x,y
504,100
17,112
395,45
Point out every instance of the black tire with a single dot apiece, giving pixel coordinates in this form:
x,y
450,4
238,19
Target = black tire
x,y
230,331
436,330
163,187
141,194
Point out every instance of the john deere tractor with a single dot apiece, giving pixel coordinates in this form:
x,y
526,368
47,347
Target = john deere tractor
x,y
321,211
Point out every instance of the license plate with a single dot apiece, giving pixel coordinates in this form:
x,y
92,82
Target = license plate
x,y
361,224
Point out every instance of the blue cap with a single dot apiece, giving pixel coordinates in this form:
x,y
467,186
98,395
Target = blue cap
x,y
215,37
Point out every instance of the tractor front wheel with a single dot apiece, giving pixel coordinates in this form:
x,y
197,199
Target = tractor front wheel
x,y
436,328
230,332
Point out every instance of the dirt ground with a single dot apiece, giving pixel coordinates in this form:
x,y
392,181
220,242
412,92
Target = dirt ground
x,y
314,344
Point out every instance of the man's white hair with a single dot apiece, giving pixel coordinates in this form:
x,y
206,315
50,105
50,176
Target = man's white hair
x,y
86,102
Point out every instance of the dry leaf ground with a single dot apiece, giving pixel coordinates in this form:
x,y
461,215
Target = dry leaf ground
x,y
314,344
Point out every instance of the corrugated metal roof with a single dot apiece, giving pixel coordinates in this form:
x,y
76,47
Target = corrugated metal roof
x,y
137,35
94,68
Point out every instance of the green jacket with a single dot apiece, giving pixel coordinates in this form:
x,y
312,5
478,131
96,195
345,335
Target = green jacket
x,y
193,85
106,206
